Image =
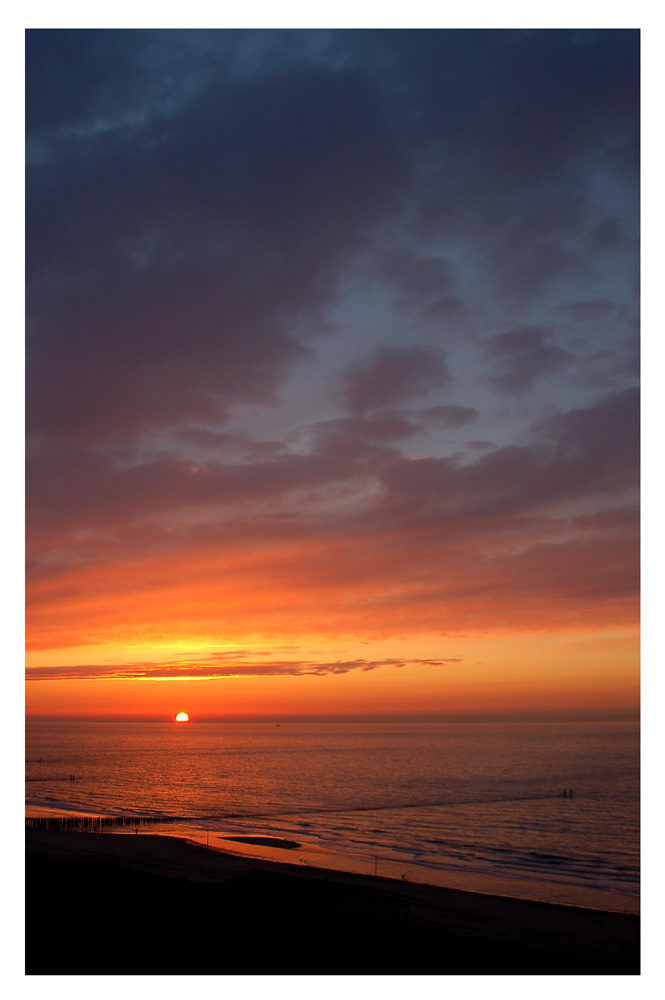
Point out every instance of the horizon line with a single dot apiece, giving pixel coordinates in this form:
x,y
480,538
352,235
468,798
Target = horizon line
x,y
618,715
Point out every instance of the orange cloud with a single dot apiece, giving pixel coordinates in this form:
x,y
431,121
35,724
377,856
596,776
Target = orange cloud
x,y
374,586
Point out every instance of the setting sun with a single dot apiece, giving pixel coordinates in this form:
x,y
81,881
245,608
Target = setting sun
x,y
182,717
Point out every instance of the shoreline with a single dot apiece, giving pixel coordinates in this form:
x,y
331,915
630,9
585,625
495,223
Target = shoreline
x,y
514,935
260,844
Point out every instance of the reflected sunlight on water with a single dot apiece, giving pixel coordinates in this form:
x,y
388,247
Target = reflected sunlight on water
x,y
467,805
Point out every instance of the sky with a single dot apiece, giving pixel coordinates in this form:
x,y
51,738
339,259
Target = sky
x,y
332,399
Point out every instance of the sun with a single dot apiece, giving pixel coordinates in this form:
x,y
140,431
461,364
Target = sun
x,y
182,717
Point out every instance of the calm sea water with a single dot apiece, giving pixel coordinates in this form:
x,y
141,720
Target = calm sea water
x,y
475,806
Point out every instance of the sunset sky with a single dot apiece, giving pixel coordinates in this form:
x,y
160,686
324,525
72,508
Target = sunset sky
x,y
332,373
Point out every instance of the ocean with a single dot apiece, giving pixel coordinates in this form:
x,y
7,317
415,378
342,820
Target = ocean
x,y
476,806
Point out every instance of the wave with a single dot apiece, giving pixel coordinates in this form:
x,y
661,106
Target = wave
x,y
390,806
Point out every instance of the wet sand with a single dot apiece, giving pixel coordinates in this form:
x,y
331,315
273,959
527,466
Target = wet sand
x,y
124,904
279,842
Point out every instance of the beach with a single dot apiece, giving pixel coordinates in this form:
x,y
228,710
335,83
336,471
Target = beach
x,y
128,904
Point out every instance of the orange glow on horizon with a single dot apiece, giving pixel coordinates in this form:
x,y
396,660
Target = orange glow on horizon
x,y
312,627
569,673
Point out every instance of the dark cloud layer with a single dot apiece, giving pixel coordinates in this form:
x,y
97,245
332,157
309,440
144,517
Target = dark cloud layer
x,y
166,258
180,217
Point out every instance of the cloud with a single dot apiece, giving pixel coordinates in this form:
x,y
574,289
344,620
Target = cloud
x,y
524,356
216,671
421,283
368,439
581,453
610,427
433,544
96,491
161,284
529,269
590,310
393,375
448,416
447,308
609,237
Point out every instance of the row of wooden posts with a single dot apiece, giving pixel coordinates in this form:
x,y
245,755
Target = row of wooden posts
x,y
88,822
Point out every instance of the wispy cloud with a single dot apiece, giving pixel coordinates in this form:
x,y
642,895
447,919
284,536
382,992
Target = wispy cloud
x,y
187,669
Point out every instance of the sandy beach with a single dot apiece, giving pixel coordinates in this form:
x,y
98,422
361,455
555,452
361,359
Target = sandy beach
x,y
149,904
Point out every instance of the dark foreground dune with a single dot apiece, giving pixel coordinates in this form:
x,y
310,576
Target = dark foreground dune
x,y
115,904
